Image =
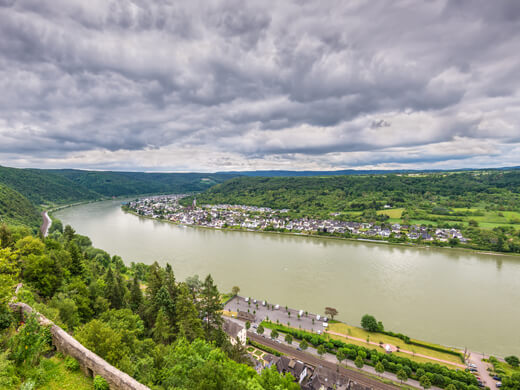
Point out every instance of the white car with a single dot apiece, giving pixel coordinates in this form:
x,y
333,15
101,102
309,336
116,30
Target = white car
x,y
263,303
318,317
277,307
325,324
247,299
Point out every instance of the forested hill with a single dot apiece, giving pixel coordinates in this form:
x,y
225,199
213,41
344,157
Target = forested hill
x,y
15,209
44,187
49,187
341,193
132,183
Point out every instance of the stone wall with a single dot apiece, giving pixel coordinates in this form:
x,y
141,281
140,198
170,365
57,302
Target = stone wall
x,y
90,363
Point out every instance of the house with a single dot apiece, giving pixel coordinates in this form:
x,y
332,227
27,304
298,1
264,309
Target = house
x,y
325,379
236,332
297,368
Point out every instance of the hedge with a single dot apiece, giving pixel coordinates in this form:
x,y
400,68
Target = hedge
x,y
439,375
264,348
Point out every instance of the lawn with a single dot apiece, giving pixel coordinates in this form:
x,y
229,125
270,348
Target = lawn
x,y
377,337
418,359
392,213
62,379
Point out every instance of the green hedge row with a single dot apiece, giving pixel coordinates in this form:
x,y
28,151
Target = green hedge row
x,y
439,375
264,348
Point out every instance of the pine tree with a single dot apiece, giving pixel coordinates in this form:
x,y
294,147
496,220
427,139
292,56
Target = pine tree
x,y
188,322
161,331
136,295
76,265
210,304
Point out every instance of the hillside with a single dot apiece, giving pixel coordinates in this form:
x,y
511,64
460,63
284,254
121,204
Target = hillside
x,y
15,209
357,193
44,187
132,183
48,187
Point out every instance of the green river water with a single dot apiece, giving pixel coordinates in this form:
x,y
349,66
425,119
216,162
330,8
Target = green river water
x,y
451,297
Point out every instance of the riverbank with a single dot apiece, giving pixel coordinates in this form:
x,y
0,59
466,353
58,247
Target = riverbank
x,y
331,237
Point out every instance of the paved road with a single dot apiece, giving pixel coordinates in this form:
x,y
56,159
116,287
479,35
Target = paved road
x,y
46,224
307,322
316,361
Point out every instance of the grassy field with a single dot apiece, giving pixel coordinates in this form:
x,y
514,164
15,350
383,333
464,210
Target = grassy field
x,y
62,379
392,213
377,337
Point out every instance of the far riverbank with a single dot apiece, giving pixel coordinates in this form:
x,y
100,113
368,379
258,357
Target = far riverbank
x,y
330,237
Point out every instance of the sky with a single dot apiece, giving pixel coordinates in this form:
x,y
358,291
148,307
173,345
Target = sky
x,y
160,85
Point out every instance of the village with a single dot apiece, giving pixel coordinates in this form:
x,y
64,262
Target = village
x,y
222,216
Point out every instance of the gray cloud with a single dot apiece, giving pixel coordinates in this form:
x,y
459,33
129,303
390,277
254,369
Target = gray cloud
x,y
135,84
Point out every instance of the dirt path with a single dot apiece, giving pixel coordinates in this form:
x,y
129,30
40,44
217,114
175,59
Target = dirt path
x,y
394,348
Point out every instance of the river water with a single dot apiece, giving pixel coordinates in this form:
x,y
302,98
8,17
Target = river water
x,y
446,296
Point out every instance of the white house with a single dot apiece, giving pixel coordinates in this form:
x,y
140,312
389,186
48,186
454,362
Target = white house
x,y
235,332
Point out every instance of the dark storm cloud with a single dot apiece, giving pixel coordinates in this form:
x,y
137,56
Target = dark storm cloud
x,y
260,84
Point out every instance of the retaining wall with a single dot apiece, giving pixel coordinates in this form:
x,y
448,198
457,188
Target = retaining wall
x,y
90,363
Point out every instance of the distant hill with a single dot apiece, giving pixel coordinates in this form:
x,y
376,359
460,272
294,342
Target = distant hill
x,y
15,209
343,172
44,187
47,187
356,192
109,183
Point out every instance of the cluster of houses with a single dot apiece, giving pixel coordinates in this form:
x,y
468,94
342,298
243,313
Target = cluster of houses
x,y
264,218
308,377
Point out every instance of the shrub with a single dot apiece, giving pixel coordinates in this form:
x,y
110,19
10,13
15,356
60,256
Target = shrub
x,y
71,364
100,383
28,385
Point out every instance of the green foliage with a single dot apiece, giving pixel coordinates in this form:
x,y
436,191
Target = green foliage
x,y
71,364
15,209
264,348
100,383
425,382
42,186
30,343
402,375
101,339
512,361
392,363
369,323
8,376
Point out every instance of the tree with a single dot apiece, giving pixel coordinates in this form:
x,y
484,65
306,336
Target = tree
x,y
274,334
161,331
303,345
248,325
136,295
331,312
451,386
425,382
76,265
359,362
369,323
288,339
402,376
321,350
341,355
512,361
69,233
235,290
260,329
102,340
189,324
379,368
210,303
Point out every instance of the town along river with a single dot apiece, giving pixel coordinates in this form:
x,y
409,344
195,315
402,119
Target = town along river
x,y
451,297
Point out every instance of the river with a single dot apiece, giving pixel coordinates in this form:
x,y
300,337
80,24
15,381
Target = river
x,y
451,297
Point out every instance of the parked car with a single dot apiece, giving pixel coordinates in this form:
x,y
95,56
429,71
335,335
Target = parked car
x,y
254,301
499,384
497,378
473,369
319,332
255,326
298,349
473,365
